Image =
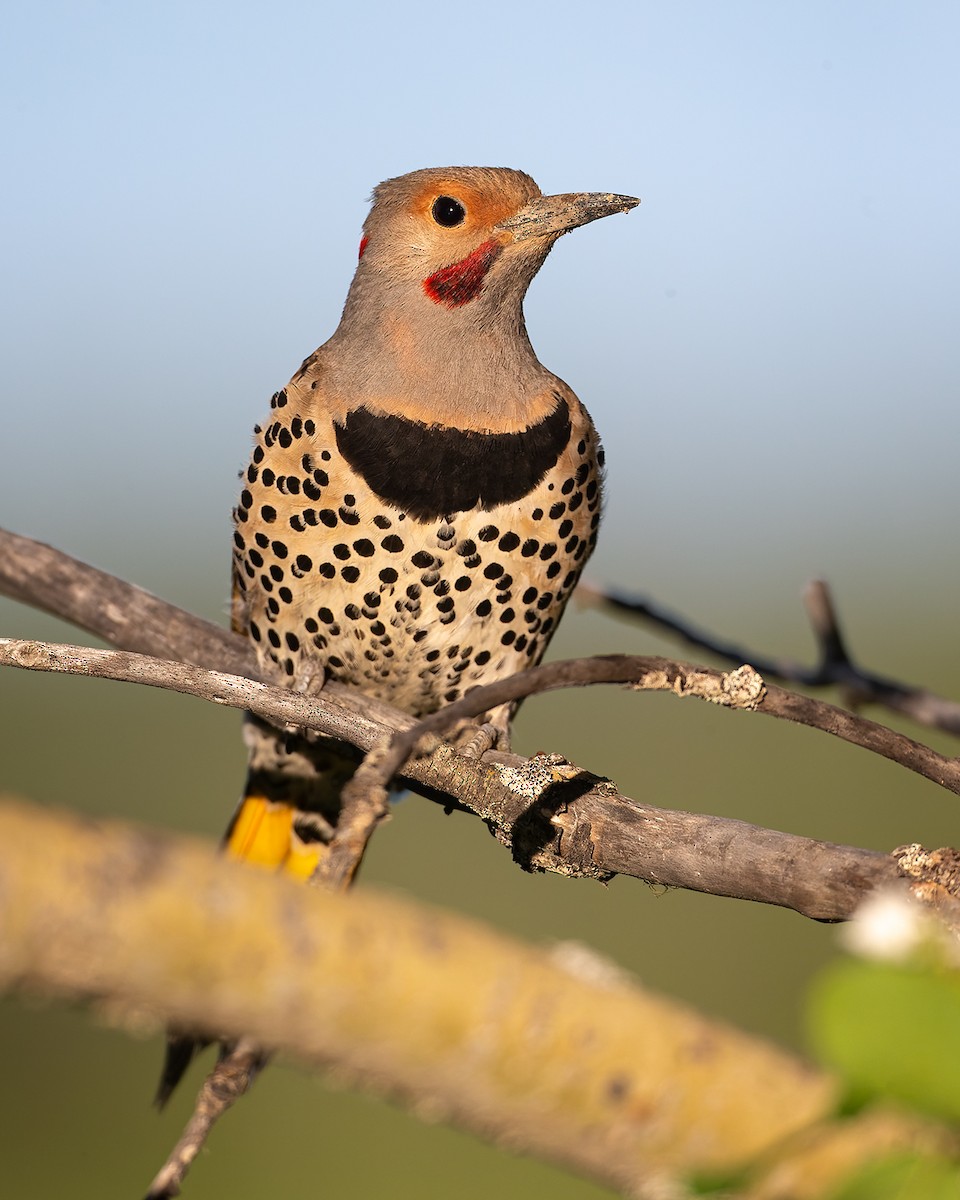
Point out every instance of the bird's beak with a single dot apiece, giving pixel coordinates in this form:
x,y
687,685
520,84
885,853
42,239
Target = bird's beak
x,y
549,216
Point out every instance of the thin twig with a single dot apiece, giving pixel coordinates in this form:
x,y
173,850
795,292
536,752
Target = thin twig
x,y
836,667
662,674
278,705
363,805
644,672
236,1069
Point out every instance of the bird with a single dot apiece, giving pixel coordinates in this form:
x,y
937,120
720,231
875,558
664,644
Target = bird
x,y
420,500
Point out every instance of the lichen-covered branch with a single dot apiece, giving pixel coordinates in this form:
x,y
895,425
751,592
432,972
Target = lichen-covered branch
x,y
555,1054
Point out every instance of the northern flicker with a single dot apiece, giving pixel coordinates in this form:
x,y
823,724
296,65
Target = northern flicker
x,y
424,494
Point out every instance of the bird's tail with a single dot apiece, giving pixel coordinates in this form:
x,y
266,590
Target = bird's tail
x,y
285,817
265,833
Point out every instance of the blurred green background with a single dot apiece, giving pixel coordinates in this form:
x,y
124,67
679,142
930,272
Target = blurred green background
x,y
768,346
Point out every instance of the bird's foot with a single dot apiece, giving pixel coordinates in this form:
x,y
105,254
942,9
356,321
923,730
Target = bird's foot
x,y
473,741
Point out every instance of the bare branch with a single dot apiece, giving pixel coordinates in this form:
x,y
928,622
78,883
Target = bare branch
x,y
132,619
575,826
230,1079
562,810
417,1004
737,689
277,705
121,613
836,668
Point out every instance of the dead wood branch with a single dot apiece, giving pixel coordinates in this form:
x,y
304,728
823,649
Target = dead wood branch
x,y
836,667
583,825
742,688
576,826
231,1077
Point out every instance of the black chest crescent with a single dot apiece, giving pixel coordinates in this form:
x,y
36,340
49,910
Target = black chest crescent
x,y
430,471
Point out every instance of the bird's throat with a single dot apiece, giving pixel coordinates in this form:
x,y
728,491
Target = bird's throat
x,y
438,365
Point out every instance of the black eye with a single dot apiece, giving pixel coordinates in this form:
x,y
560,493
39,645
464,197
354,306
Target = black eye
x,y
447,211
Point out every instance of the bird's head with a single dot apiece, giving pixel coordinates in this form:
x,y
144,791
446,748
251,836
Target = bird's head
x,y
466,235
433,324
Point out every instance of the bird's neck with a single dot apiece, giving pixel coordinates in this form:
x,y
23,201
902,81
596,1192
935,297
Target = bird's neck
x,y
470,367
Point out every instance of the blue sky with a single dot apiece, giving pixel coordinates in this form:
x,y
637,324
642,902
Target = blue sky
x,y
768,344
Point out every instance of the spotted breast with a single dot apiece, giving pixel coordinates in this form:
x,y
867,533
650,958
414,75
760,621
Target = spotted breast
x,y
412,560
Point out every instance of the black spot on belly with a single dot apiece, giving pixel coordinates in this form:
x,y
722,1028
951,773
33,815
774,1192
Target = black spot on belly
x,y
430,471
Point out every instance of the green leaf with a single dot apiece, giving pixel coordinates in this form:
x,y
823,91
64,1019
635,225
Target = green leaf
x,y
891,1031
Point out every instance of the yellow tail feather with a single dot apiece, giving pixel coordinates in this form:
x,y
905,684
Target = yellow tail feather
x,y
262,833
